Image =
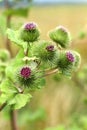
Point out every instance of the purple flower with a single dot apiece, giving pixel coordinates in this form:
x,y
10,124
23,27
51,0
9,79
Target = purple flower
x,y
70,56
30,26
50,48
25,72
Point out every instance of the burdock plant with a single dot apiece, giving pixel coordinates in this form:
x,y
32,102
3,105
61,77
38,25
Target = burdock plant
x,y
35,60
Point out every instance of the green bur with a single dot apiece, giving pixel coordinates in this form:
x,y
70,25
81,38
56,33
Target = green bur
x,y
29,32
61,36
65,65
46,55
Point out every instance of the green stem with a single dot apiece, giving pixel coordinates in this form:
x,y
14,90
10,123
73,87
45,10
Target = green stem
x,y
26,54
49,72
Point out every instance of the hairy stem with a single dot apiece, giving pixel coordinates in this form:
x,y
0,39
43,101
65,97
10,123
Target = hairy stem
x,y
13,118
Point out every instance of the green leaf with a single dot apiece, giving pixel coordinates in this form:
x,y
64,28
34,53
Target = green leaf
x,y
18,12
5,97
8,90
8,87
19,100
11,96
13,67
20,54
14,37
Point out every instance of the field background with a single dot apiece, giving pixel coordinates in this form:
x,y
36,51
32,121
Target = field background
x,y
59,99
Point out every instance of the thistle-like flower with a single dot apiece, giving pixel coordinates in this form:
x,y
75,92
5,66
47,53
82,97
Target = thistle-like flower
x,y
65,62
46,52
29,32
70,56
26,77
50,48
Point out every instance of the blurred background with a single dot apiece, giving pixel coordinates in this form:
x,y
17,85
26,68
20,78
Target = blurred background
x,y
62,103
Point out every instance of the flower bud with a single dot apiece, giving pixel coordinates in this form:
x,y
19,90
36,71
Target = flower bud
x,y
27,77
29,32
65,62
46,52
24,76
61,36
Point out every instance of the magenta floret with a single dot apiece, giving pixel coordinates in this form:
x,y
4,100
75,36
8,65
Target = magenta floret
x,y
70,56
25,72
50,48
30,26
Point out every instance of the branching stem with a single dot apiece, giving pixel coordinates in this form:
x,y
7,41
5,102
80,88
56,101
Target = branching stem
x,y
51,72
3,106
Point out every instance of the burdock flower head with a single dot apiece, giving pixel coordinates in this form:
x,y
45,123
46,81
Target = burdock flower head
x,y
65,62
70,56
29,32
61,36
50,48
25,72
25,76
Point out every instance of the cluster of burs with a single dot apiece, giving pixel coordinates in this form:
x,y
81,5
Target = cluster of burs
x,y
42,56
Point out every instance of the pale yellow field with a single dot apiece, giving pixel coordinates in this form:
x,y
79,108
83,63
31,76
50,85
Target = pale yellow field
x,y
73,17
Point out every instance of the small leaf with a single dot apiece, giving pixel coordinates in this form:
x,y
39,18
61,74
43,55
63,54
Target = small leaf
x,y
8,91
14,37
13,67
5,97
8,87
18,12
19,100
